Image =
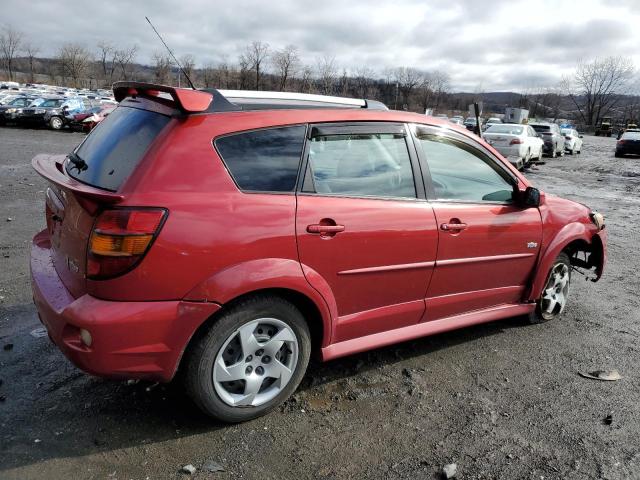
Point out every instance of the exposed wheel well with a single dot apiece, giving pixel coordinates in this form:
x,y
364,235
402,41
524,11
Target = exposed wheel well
x,y
306,306
583,254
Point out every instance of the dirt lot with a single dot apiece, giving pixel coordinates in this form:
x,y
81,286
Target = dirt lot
x,y
502,400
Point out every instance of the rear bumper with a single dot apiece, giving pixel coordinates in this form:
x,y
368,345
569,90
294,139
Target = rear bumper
x,y
510,151
141,340
548,147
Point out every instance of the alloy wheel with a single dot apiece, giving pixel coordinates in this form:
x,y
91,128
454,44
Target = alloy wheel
x,y
255,363
555,294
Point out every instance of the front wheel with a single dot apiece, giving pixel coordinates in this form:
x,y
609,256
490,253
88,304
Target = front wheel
x,y
250,361
554,296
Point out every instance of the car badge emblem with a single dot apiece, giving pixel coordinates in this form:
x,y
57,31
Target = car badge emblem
x,y
532,244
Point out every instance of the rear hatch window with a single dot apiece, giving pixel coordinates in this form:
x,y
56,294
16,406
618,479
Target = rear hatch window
x,y
114,149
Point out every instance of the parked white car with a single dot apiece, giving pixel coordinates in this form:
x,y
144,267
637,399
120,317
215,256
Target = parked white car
x,y
572,140
492,121
520,144
457,119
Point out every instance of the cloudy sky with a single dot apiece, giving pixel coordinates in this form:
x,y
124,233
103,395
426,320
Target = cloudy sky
x,y
483,45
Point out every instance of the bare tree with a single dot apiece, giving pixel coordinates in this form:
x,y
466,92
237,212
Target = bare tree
x,y
407,79
306,81
595,86
286,63
124,59
10,41
245,67
105,58
440,84
425,91
327,73
253,58
32,51
188,63
363,82
162,67
74,61
210,75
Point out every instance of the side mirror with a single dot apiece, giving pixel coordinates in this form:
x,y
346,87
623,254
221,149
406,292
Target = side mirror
x,y
530,197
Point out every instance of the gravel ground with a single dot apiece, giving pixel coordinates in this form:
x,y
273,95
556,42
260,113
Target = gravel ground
x,y
501,400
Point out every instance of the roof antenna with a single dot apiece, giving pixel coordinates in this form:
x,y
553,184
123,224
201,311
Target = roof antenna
x,y
172,55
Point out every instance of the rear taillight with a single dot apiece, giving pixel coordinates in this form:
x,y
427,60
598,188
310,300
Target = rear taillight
x,y
620,142
516,141
120,238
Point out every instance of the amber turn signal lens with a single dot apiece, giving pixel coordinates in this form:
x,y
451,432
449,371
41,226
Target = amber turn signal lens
x,y
119,245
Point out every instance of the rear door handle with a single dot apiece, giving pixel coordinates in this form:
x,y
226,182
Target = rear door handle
x,y
317,228
453,226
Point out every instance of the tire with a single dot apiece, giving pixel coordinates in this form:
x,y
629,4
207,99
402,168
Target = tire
x,y
56,123
572,151
553,299
249,391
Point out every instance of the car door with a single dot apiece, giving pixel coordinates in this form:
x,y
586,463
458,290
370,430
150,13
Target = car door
x,y
487,246
367,237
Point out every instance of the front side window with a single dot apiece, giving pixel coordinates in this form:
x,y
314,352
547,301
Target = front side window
x,y
264,160
361,165
461,173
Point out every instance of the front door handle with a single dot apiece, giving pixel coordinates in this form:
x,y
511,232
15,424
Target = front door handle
x,y
325,229
453,226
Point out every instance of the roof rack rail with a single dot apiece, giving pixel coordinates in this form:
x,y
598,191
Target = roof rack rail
x,y
259,100
213,100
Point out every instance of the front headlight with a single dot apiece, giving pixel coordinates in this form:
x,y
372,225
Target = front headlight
x,y
598,219
11,110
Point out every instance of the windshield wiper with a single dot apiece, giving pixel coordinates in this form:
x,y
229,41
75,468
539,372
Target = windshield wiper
x,y
78,163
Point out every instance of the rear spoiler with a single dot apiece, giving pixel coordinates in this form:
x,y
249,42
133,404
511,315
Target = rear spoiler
x,y
51,168
186,100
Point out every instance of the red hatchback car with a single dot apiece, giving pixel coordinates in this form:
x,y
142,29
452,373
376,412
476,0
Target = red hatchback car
x,y
232,234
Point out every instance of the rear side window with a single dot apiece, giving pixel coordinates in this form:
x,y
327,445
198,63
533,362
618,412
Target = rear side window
x,y
114,149
362,165
263,160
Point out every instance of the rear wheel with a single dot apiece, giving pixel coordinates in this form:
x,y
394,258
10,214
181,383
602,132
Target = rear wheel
x,y
554,296
250,361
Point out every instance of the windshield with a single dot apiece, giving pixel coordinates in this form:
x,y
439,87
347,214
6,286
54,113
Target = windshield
x,y
631,136
541,128
506,129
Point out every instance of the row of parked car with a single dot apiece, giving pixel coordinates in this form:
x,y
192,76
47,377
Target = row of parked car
x,y
53,107
524,144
